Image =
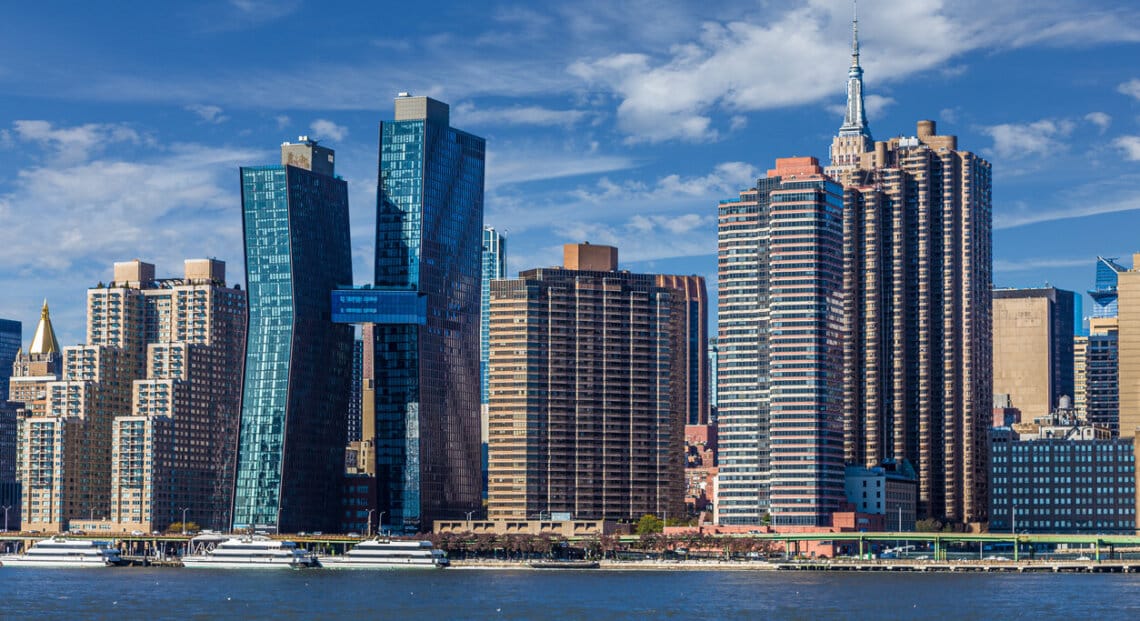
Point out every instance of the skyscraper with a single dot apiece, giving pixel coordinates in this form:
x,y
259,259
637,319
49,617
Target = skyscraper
x,y
742,357
1033,347
494,268
429,226
695,352
917,279
779,389
298,362
143,422
11,337
1128,335
588,382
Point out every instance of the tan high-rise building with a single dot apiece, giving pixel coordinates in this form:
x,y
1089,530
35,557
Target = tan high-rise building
x,y
1033,348
1128,335
144,421
918,352
587,392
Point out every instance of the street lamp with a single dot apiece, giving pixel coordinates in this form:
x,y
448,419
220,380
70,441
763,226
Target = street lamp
x,y
469,513
368,530
380,523
184,510
6,507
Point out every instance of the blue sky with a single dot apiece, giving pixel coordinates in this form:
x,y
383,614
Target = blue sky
x,y
123,124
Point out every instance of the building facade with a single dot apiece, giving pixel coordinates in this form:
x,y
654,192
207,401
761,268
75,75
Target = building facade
x,y
429,226
1062,482
695,354
298,368
918,284
743,475
1033,332
588,392
143,421
888,490
1128,349
11,340
780,259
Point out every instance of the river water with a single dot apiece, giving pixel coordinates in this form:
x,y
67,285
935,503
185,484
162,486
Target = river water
x,y
151,593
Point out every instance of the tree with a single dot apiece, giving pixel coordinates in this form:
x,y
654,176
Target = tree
x,y
191,527
929,525
649,524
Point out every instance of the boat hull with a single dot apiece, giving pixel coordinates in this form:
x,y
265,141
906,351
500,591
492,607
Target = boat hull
x,y
402,564
242,564
56,563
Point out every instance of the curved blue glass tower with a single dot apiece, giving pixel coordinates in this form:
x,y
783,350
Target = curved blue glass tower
x,y
298,362
429,226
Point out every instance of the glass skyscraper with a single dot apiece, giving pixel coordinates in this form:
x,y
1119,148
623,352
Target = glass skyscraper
x,y
494,267
429,225
298,362
11,332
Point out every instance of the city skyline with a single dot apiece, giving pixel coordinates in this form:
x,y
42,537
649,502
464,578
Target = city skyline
x,y
131,151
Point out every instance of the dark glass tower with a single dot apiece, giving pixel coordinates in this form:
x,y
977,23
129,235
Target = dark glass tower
x,y
11,333
429,226
298,362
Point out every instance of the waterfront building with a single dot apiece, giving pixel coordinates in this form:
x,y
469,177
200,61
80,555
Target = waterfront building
x,y
918,349
429,227
1033,347
1061,474
298,367
588,392
31,371
889,490
143,421
780,358
742,357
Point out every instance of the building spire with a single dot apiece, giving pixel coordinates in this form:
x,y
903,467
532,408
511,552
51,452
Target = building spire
x,y
855,120
43,341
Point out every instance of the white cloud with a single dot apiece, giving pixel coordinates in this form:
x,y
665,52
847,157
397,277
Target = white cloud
x,y
209,114
511,163
754,64
1100,119
1019,140
1130,145
72,144
325,129
167,204
1130,88
1090,201
283,121
466,114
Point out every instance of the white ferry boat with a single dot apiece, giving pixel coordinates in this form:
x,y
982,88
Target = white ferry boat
x,y
246,553
388,554
62,552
